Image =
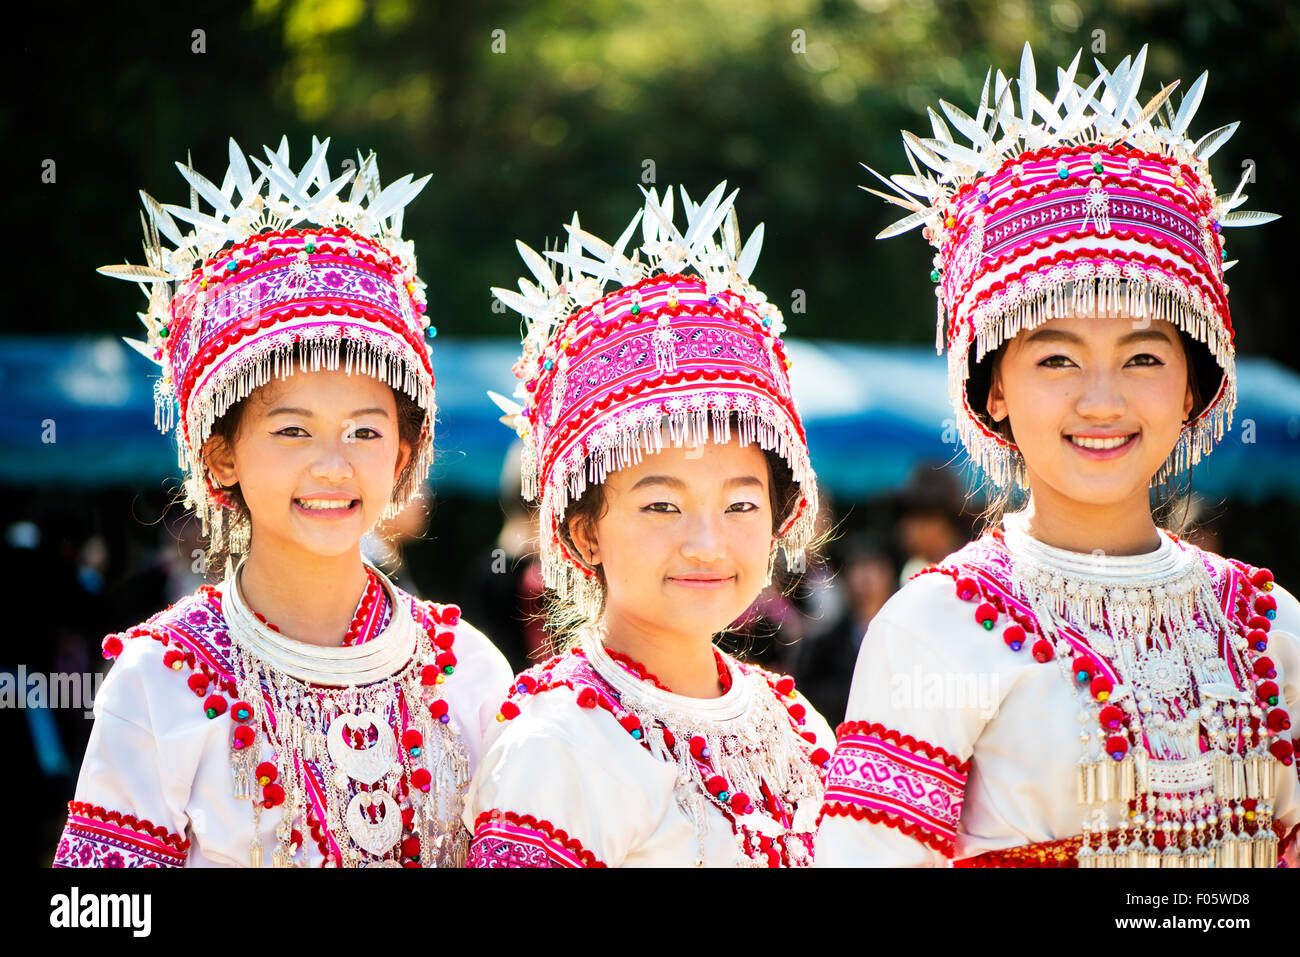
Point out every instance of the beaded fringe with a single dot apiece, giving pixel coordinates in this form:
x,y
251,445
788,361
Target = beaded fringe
x,y
1135,298
691,428
331,348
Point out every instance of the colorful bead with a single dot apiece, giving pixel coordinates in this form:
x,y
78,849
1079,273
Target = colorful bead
x,y
215,707
232,266
935,275
967,589
986,615
1042,651
1014,636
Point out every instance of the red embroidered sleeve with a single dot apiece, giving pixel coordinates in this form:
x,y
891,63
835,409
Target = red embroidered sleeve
x,y
882,776
506,839
96,837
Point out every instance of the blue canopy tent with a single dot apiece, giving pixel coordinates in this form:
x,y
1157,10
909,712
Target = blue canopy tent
x,y
79,412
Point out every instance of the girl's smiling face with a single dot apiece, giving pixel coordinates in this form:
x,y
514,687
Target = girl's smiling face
x,y
316,457
1094,404
684,538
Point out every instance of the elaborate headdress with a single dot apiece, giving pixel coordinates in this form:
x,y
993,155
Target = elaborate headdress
x,y
683,337
1092,201
286,267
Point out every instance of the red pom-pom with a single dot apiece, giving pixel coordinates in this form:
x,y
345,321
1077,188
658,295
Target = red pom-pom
x,y
785,685
410,863
1279,720
1257,638
1116,743
1258,622
1111,717
445,639
1266,690
449,615
174,659
716,784
445,659
1282,750
630,723
111,646
1043,650
411,847
510,710
809,736
266,770
243,736
670,739
1085,664
429,675
1014,635
1264,604
408,817
797,710
438,707
1101,687
241,711
986,613
739,801
421,778
1261,577
698,744
272,796
1264,667
526,684
587,698
820,756
198,683
411,738
215,706
967,589
295,839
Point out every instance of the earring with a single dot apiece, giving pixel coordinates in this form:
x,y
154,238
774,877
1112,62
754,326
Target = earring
x,y
771,562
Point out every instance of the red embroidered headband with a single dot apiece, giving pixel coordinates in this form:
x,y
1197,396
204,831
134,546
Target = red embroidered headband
x,y
281,270
1090,203
684,342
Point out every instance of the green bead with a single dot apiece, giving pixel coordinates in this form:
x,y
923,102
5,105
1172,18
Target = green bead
x,y
988,624
636,307
1272,700
310,247
935,275
1098,168
448,670
164,332
211,712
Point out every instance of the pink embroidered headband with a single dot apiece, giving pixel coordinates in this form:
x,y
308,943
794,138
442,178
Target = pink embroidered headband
x,y
282,270
1091,203
600,374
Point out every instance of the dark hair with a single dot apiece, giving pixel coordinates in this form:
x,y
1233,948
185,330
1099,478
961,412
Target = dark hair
x,y
1202,368
563,619
410,423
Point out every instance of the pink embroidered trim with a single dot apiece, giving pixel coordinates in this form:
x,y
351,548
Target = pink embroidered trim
x,y
506,839
96,837
885,777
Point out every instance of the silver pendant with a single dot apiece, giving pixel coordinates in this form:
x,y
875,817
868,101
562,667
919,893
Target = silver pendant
x,y
369,765
374,838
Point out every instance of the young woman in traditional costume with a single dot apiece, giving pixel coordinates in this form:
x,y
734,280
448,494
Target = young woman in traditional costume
x,y
671,464
1104,694
305,711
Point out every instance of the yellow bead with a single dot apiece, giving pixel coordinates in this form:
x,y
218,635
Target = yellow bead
x,y
203,284
264,780
1102,696
1268,586
440,679
950,222
500,716
1250,815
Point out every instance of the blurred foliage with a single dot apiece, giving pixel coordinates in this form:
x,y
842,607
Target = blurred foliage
x,y
526,111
